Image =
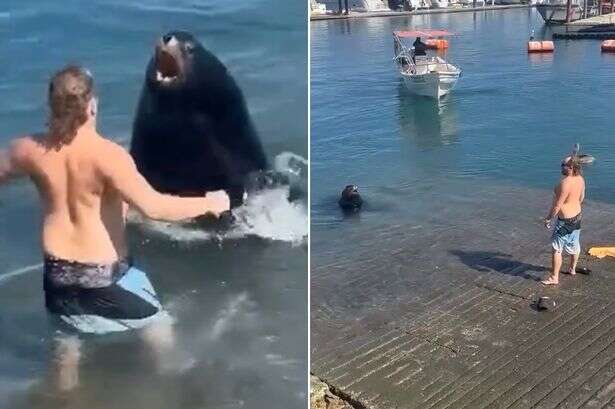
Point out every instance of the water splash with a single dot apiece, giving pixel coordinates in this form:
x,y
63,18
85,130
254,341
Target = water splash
x,y
267,214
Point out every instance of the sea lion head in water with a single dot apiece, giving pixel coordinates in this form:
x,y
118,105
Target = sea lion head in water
x,y
350,199
192,132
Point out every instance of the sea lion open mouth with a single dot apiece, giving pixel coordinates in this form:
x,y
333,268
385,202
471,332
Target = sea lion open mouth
x,y
189,106
167,68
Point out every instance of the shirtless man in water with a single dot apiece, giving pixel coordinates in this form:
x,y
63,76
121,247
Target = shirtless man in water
x,y
85,183
567,201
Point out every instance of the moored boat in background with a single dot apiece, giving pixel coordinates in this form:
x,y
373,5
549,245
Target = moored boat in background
x,y
427,75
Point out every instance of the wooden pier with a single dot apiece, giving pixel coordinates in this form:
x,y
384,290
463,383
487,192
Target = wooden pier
x,y
351,15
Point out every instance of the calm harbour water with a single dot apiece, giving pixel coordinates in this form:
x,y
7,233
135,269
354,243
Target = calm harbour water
x,y
239,302
510,120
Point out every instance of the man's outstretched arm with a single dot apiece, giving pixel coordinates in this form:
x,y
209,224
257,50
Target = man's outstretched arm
x,y
123,175
13,161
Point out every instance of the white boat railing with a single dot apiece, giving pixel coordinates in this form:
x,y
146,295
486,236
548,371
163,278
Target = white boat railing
x,y
424,65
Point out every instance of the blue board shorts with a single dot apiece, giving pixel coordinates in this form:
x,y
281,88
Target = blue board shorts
x,y
99,298
566,235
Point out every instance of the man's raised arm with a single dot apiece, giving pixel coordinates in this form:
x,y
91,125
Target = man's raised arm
x,y
122,174
13,162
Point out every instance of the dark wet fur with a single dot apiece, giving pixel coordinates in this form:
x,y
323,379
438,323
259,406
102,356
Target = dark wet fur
x,y
350,199
198,136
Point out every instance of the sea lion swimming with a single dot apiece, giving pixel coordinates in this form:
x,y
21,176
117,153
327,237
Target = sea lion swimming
x,y
192,132
350,199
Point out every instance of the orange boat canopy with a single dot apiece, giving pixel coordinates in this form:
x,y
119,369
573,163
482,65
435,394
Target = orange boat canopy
x,y
422,33
436,44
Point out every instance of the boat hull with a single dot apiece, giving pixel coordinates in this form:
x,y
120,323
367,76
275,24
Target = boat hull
x,y
439,4
556,14
433,85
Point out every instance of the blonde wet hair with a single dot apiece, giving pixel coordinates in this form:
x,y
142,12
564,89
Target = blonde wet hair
x,y
70,92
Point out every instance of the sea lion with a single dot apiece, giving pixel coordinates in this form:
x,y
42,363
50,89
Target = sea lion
x,y
350,199
192,132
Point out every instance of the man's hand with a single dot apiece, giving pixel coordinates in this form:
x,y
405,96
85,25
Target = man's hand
x,y
15,160
5,164
217,202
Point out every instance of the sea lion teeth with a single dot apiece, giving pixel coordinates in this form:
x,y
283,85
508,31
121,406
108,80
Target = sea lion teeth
x,y
160,77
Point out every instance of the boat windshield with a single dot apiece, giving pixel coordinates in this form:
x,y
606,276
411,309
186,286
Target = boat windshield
x,y
409,63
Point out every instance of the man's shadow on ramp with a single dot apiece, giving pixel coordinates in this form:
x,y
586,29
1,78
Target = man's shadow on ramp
x,y
485,261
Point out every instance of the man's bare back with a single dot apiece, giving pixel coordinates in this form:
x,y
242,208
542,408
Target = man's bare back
x,y
84,186
83,211
85,181
569,196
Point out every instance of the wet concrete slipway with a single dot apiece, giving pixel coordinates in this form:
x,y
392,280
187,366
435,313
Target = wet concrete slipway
x,y
441,316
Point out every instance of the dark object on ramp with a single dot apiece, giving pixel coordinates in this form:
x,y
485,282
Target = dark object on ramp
x,y
583,270
545,303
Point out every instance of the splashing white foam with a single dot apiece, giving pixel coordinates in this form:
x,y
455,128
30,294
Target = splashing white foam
x,y
293,165
267,214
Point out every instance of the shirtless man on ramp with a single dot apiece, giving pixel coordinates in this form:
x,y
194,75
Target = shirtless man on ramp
x,y
568,199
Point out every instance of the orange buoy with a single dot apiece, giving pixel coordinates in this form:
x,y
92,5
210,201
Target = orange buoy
x,y
547,46
608,46
540,46
436,44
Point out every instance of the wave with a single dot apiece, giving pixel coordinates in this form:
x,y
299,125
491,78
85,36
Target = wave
x,y
267,214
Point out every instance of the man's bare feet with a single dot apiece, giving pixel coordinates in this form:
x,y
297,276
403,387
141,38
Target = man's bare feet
x,y
550,281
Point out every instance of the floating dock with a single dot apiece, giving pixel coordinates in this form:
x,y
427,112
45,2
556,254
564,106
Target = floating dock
x,y
594,27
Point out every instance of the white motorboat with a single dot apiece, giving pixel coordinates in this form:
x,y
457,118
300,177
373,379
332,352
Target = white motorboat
x,y
427,75
439,4
419,4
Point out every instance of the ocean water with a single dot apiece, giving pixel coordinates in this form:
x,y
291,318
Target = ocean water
x,y
510,120
239,299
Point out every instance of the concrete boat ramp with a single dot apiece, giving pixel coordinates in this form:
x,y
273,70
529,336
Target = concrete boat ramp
x,y
442,316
